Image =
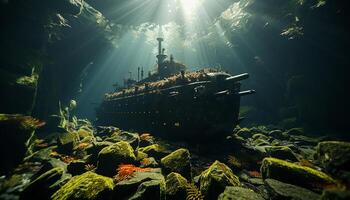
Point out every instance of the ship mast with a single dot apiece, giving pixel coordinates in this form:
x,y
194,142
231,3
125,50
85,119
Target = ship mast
x,y
161,56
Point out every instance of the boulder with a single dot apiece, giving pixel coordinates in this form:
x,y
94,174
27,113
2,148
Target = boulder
x,y
15,131
111,156
335,195
76,167
176,186
67,141
334,155
142,185
244,133
214,180
132,138
295,174
278,134
281,152
280,190
42,186
178,161
155,150
260,136
239,193
86,186
149,162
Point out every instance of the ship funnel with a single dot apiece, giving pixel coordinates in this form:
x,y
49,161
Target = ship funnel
x,y
160,40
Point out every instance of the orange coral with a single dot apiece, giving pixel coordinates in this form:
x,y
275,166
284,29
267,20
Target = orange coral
x,y
146,136
67,159
254,174
126,171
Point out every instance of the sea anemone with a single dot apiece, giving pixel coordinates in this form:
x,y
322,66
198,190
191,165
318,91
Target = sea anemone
x,y
126,171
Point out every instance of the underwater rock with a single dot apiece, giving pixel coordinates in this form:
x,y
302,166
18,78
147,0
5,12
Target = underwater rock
x,y
281,152
334,155
149,162
86,186
244,133
294,174
42,187
214,180
239,193
66,142
132,138
335,195
110,157
20,89
176,186
142,185
260,136
15,131
84,132
178,161
76,167
155,150
278,134
280,190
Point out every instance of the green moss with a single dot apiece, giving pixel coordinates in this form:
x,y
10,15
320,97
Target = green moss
x,y
120,148
86,186
178,161
153,147
30,81
141,155
292,173
175,183
244,132
214,180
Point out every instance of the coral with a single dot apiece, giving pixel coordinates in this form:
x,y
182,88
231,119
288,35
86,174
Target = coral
x,y
146,136
254,174
233,161
67,159
193,193
126,171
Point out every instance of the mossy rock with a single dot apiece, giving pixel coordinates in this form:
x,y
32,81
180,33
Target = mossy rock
x,y
154,150
86,186
67,141
281,152
239,193
278,134
110,157
85,131
280,190
335,195
295,131
214,180
76,167
178,161
260,136
294,174
334,155
244,133
16,131
42,186
176,186
140,155
132,138
142,185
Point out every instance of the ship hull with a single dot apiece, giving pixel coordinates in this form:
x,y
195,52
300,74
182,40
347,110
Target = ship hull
x,y
196,111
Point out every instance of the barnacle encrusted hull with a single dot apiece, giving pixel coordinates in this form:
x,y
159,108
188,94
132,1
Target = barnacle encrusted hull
x,y
182,106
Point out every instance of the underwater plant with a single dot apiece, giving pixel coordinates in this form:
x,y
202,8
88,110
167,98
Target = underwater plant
x,y
89,167
233,161
126,171
193,193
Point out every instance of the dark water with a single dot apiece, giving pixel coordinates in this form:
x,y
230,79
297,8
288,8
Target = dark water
x,y
59,59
